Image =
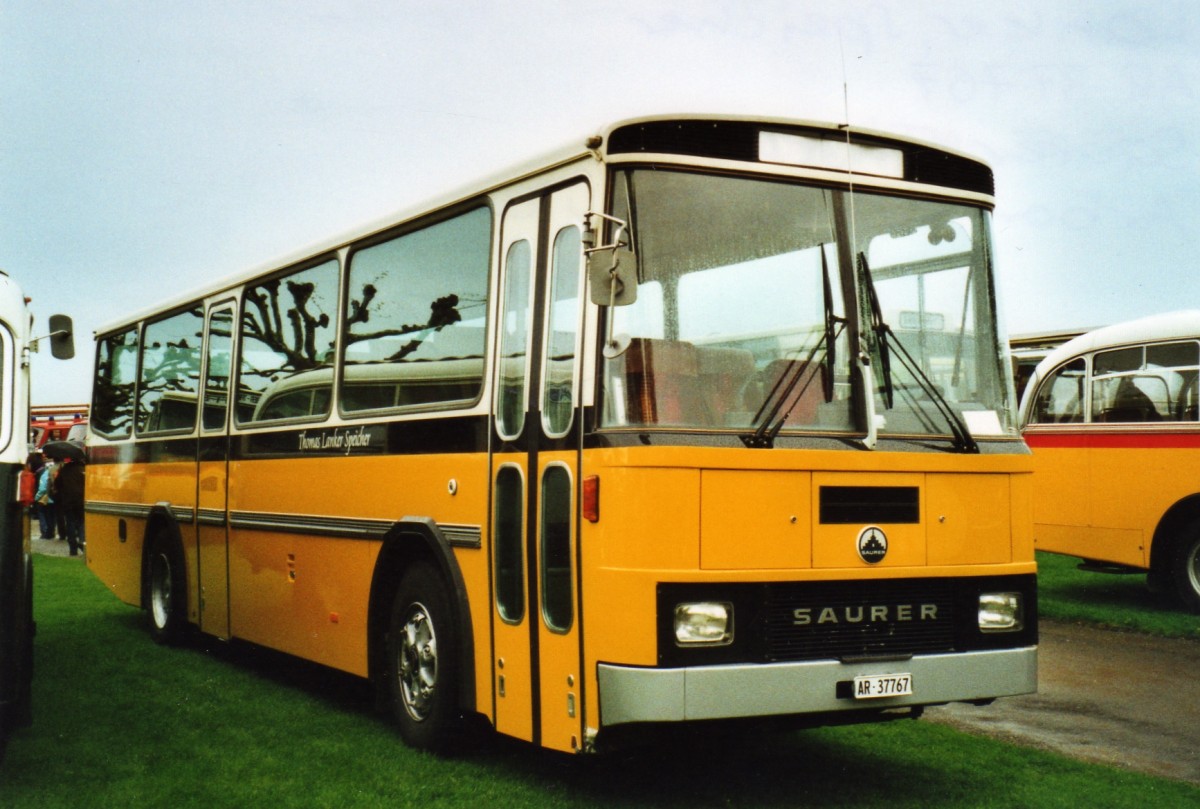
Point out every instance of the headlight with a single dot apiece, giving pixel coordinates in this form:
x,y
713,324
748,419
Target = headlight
x,y
1000,612
704,623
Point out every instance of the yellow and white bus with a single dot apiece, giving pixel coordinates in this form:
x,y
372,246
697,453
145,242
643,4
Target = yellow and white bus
x,y
621,438
1111,417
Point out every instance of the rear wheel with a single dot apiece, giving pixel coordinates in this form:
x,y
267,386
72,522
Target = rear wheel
x,y
422,670
1185,567
166,599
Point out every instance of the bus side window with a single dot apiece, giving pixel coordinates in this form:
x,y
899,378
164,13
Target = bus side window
x,y
286,350
415,317
116,369
1060,398
1186,406
1129,399
170,376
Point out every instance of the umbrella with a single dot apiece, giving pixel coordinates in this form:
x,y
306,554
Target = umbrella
x,y
61,450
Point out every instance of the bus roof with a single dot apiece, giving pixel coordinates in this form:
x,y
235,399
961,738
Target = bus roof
x,y
1181,325
599,147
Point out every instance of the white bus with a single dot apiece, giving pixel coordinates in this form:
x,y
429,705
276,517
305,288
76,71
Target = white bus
x,y
16,563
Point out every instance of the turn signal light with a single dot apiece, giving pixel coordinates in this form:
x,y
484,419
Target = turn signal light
x,y
591,498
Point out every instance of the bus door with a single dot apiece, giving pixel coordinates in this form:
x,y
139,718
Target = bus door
x,y
536,665
212,478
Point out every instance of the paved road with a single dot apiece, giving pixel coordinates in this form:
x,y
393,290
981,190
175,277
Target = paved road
x,y
50,547
1112,697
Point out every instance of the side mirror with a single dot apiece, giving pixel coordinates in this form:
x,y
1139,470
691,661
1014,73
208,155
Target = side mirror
x,y
612,269
62,337
612,276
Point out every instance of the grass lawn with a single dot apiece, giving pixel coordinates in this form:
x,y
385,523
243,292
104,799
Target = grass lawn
x,y
1118,601
121,722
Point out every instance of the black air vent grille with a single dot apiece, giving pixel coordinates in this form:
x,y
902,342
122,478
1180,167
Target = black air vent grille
x,y
863,505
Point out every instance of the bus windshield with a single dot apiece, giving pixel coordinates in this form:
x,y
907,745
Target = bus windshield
x,y
751,292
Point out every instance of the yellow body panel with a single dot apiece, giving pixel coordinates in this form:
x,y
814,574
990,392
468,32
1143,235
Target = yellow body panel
x,y
651,500
969,519
1114,517
755,520
303,595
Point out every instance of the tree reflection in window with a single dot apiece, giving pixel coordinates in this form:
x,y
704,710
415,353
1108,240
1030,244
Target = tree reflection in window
x,y
416,316
112,395
170,373
287,329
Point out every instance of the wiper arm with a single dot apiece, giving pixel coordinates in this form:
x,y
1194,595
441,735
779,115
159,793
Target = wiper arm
x,y
784,389
963,440
881,329
781,393
831,326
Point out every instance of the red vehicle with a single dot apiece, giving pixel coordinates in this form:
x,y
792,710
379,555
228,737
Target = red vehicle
x,y
54,423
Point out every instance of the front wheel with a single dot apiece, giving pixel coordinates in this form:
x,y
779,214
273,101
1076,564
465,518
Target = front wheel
x,y
422,670
166,598
1185,568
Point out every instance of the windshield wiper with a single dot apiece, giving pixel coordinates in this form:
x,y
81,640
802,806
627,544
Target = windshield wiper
x,y
784,389
963,440
881,329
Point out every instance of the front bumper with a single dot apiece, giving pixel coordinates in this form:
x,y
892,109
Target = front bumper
x,y
807,687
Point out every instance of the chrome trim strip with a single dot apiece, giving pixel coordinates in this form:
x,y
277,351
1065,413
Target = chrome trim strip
x,y
133,510
723,692
211,516
138,511
458,536
462,536
310,524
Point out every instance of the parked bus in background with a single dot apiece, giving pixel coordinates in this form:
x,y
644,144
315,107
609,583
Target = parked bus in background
x,y
621,438
1111,417
16,493
1030,349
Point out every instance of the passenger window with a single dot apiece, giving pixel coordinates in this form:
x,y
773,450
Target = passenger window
x,y
557,603
559,380
170,375
1060,398
1146,383
116,374
287,345
509,543
416,317
1129,398
217,375
514,339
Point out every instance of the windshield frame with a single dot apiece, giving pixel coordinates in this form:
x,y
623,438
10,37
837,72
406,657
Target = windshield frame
x,y
857,344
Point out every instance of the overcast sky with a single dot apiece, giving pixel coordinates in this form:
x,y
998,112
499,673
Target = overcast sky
x,y
149,147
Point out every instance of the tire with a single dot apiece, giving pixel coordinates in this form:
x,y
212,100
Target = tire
x,y
422,662
1185,568
166,591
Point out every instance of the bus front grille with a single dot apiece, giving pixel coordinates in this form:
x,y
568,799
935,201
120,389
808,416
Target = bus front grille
x,y
820,621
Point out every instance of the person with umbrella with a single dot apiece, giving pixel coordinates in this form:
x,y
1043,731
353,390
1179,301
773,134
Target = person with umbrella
x,y
67,489
44,498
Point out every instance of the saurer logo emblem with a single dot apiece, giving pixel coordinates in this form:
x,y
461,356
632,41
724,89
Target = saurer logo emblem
x,y
872,544
864,614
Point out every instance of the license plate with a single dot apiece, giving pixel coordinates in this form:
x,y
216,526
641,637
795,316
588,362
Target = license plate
x,y
873,686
